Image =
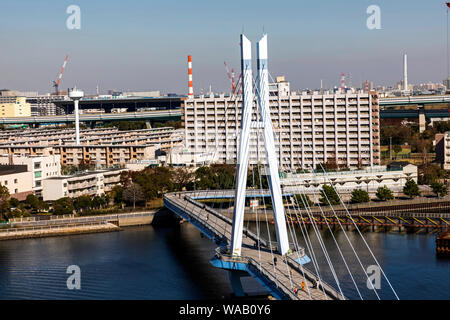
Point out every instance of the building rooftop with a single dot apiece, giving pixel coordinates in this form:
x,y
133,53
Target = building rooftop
x,y
84,174
12,169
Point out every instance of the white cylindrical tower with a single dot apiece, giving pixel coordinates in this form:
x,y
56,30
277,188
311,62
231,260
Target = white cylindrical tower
x,y
76,95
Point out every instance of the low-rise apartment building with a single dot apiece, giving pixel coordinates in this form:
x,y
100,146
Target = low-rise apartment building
x,y
17,179
393,176
41,167
86,183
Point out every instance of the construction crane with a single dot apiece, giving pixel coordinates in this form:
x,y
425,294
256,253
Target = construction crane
x,y
232,78
58,81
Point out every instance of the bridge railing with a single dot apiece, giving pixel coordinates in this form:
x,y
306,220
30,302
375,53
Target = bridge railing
x,y
208,226
327,288
246,232
223,254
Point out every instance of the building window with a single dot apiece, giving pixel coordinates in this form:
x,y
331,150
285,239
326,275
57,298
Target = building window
x,y
15,180
37,165
38,174
16,190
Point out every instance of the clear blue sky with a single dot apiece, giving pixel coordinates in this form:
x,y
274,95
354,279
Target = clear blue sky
x,y
142,45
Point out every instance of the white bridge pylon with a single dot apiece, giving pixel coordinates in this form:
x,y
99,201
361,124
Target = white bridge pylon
x,y
265,122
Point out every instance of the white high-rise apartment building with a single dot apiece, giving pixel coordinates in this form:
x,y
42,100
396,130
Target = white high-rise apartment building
x,y
309,128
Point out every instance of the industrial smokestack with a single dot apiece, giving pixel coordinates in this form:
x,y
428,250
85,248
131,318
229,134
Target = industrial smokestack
x,y
405,72
191,89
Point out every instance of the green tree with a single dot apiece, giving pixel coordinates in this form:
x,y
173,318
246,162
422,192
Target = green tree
x,y
183,179
384,193
33,202
411,189
13,202
99,202
133,193
63,206
4,202
360,196
303,200
430,173
154,182
439,189
117,194
204,178
329,195
82,203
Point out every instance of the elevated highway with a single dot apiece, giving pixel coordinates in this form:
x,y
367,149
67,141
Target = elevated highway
x,y
160,115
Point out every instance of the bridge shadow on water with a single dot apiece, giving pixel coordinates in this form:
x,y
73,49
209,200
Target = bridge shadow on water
x,y
193,252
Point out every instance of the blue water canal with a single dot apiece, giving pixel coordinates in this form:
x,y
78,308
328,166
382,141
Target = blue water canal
x,y
172,262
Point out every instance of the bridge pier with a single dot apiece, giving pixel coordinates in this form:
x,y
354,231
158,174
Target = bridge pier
x,y
235,281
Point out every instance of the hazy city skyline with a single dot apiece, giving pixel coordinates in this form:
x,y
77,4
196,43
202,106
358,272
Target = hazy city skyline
x,y
144,46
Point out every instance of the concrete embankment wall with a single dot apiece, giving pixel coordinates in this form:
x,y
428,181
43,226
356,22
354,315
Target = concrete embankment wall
x,y
127,221
57,231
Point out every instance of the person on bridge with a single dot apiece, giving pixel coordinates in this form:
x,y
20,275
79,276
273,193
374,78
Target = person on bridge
x,y
275,261
303,285
315,286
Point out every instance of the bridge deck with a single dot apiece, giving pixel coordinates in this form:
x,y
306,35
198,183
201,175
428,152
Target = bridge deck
x,y
287,275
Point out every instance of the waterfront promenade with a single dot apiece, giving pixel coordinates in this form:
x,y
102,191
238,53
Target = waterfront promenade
x,y
25,228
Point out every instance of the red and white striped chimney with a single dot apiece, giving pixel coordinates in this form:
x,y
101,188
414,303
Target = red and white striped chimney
x,y
191,88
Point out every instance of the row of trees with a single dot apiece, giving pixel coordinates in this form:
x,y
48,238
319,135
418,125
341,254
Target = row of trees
x,y
13,208
411,189
82,205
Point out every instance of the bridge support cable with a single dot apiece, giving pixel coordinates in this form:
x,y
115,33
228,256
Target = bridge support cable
x,y
346,236
352,221
297,249
267,223
348,240
258,233
279,217
308,207
322,245
359,231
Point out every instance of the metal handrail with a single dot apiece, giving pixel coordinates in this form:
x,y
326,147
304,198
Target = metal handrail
x,y
246,232
253,263
329,290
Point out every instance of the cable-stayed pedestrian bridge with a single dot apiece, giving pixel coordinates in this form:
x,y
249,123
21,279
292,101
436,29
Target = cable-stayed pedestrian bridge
x,y
281,275
279,267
